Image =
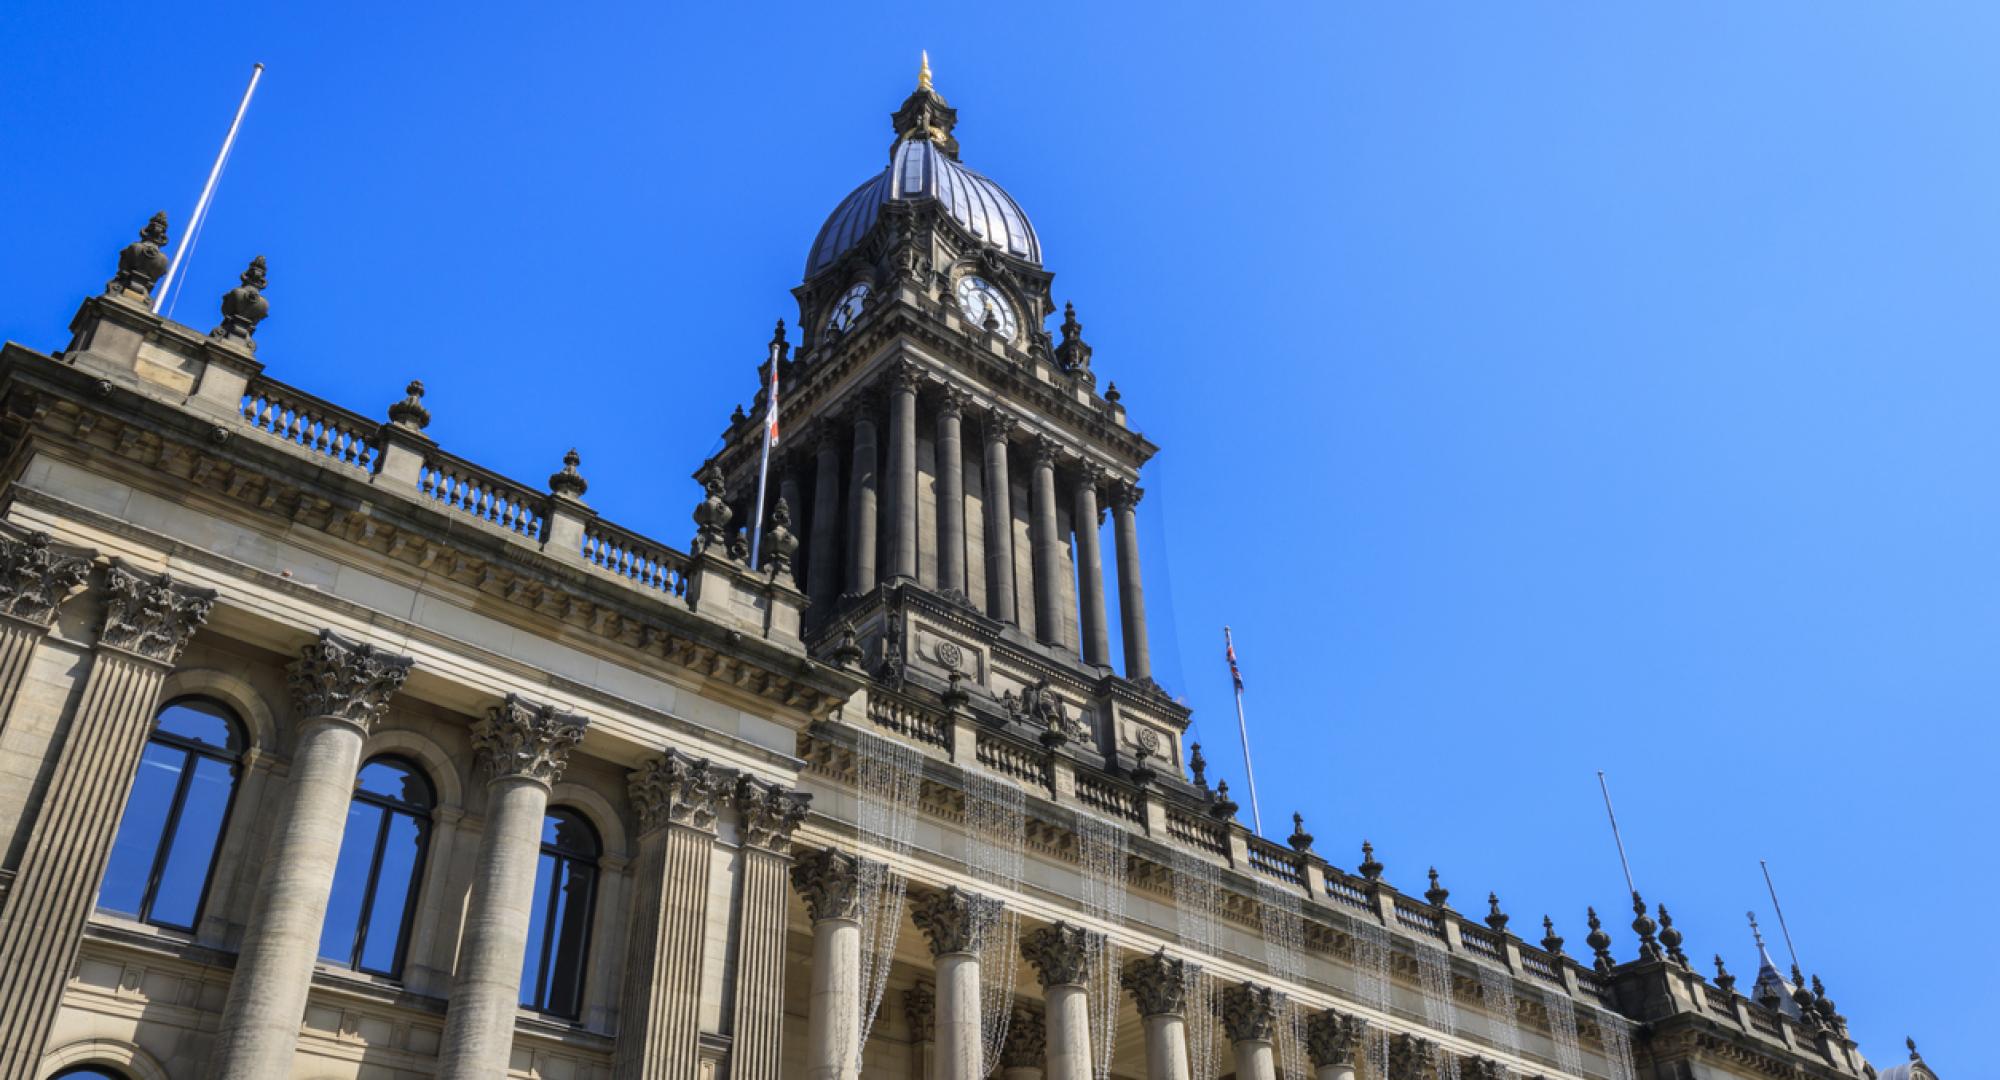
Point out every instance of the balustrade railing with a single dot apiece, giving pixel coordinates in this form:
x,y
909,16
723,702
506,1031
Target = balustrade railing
x,y
313,425
912,723
1719,1000
485,495
1541,965
631,556
1764,1020
1481,941
1342,890
1205,835
1421,919
1273,861
1593,984
1009,760
1106,799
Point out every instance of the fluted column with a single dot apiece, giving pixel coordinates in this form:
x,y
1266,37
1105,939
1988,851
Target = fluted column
x,y
829,881
861,505
1158,985
659,1018
523,747
1250,1017
950,497
1090,569
1131,591
1333,1043
36,577
1060,955
767,814
1048,544
999,504
956,922
340,689
920,1011
1022,1055
823,561
147,621
903,472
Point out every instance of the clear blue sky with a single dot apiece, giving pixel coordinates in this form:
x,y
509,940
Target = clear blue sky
x,y
1544,388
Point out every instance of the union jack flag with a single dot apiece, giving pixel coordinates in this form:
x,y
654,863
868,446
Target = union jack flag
x,y
1229,651
771,406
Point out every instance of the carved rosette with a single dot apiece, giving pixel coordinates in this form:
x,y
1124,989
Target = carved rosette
x,y
1027,1040
675,789
36,577
956,921
1333,1038
829,881
345,680
920,1009
1412,1057
1158,984
1249,1012
1060,954
519,738
150,616
769,813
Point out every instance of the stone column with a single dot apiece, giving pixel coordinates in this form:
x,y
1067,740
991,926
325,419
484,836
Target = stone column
x,y
861,507
1131,592
1250,1018
999,505
1333,1043
340,689
920,1010
950,497
1090,569
36,577
1048,545
1022,1054
1158,985
659,1018
903,472
147,621
823,561
1061,958
767,814
957,922
523,747
829,881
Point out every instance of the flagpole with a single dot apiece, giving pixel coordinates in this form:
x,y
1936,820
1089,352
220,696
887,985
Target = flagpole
x,y
1779,908
1618,839
207,192
1243,730
764,460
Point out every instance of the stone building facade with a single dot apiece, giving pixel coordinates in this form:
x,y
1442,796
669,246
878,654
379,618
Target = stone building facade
x,y
330,753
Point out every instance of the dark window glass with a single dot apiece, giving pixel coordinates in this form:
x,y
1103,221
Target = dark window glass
x,y
164,855
559,930
89,1072
381,865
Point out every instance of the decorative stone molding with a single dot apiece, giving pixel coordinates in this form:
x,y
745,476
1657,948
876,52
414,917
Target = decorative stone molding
x,y
829,881
951,402
769,813
675,789
410,412
1027,1040
519,738
1046,451
142,262
36,577
999,424
346,680
954,920
1474,1067
1060,954
567,481
244,306
1125,495
150,617
1158,984
1412,1057
1250,1012
920,1009
1333,1038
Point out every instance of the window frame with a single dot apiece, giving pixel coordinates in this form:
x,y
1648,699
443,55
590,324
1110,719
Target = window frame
x,y
425,819
170,831
566,857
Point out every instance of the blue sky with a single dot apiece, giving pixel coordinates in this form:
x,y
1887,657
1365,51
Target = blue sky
x,y
1543,388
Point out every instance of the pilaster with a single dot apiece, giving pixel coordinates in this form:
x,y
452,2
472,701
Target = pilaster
x,y
767,814
37,576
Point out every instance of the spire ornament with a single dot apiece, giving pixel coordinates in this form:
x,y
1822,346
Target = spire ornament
x,y
1073,354
1198,766
1223,806
1643,925
925,116
1723,979
244,306
1599,942
779,543
1495,918
1370,868
1301,840
410,413
1551,940
567,482
142,262
1437,894
1671,939
712,516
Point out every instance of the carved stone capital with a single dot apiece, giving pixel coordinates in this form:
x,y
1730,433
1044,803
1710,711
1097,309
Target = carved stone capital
x,y
905,378
1412,1057
920,1009
675,789
954,920
1060,954
1159,983
349,681
1474,1067
1027,1040
1249,1012
999,424
150,616
829,881
1125,495
1046,451
519,738
951,402
1333,1038
769,813
36,577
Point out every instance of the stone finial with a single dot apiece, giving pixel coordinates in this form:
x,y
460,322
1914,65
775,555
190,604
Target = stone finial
x,y
1073,354
1027,1039
1159,984
779,542
1197,765
244,306
1300,840
1143,774
142,262
410,413
769,813
1643,925
920,1009
1333,1038
1551,941
1412,1055
829,881
522,739
1911,1043
675,789
1222,806
567,482
1250,1012
954,920
1723,978
1060,954
1436,895
779,346
349,681
847,652
1112,395
1599,942
739,546
1803,997
36,577
150,616
1670,939
1495,918
1370,868
712,516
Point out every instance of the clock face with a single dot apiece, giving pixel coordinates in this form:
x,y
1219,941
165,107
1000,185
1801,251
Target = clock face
x,y
986,305
849,308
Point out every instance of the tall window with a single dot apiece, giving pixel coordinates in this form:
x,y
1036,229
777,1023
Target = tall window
x,y
559,933
165,852
381,862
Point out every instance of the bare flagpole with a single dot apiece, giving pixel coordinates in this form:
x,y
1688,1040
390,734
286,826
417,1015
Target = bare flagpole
x,y
1779,908
207,192
1613,815
770,439
1243,729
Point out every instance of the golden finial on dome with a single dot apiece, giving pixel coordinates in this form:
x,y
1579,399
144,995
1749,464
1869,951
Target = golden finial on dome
x,y
924,74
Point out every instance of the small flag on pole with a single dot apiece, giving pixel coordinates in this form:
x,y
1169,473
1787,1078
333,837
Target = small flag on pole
x,y
771,409
770,440
1235,673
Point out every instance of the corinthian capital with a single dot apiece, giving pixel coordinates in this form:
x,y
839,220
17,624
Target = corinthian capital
x,y
829,881
1061,953
769,813
1333,1038
1027,1039
1125,494
519,738
1249,1012
956,921
150,616
1412,1056
36,577
675,789
1474,1067
920,1008
347,680
1158,984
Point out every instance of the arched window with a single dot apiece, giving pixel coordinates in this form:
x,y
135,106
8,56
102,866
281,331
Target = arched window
x,y
165,852
88,1072
381,862
559,931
